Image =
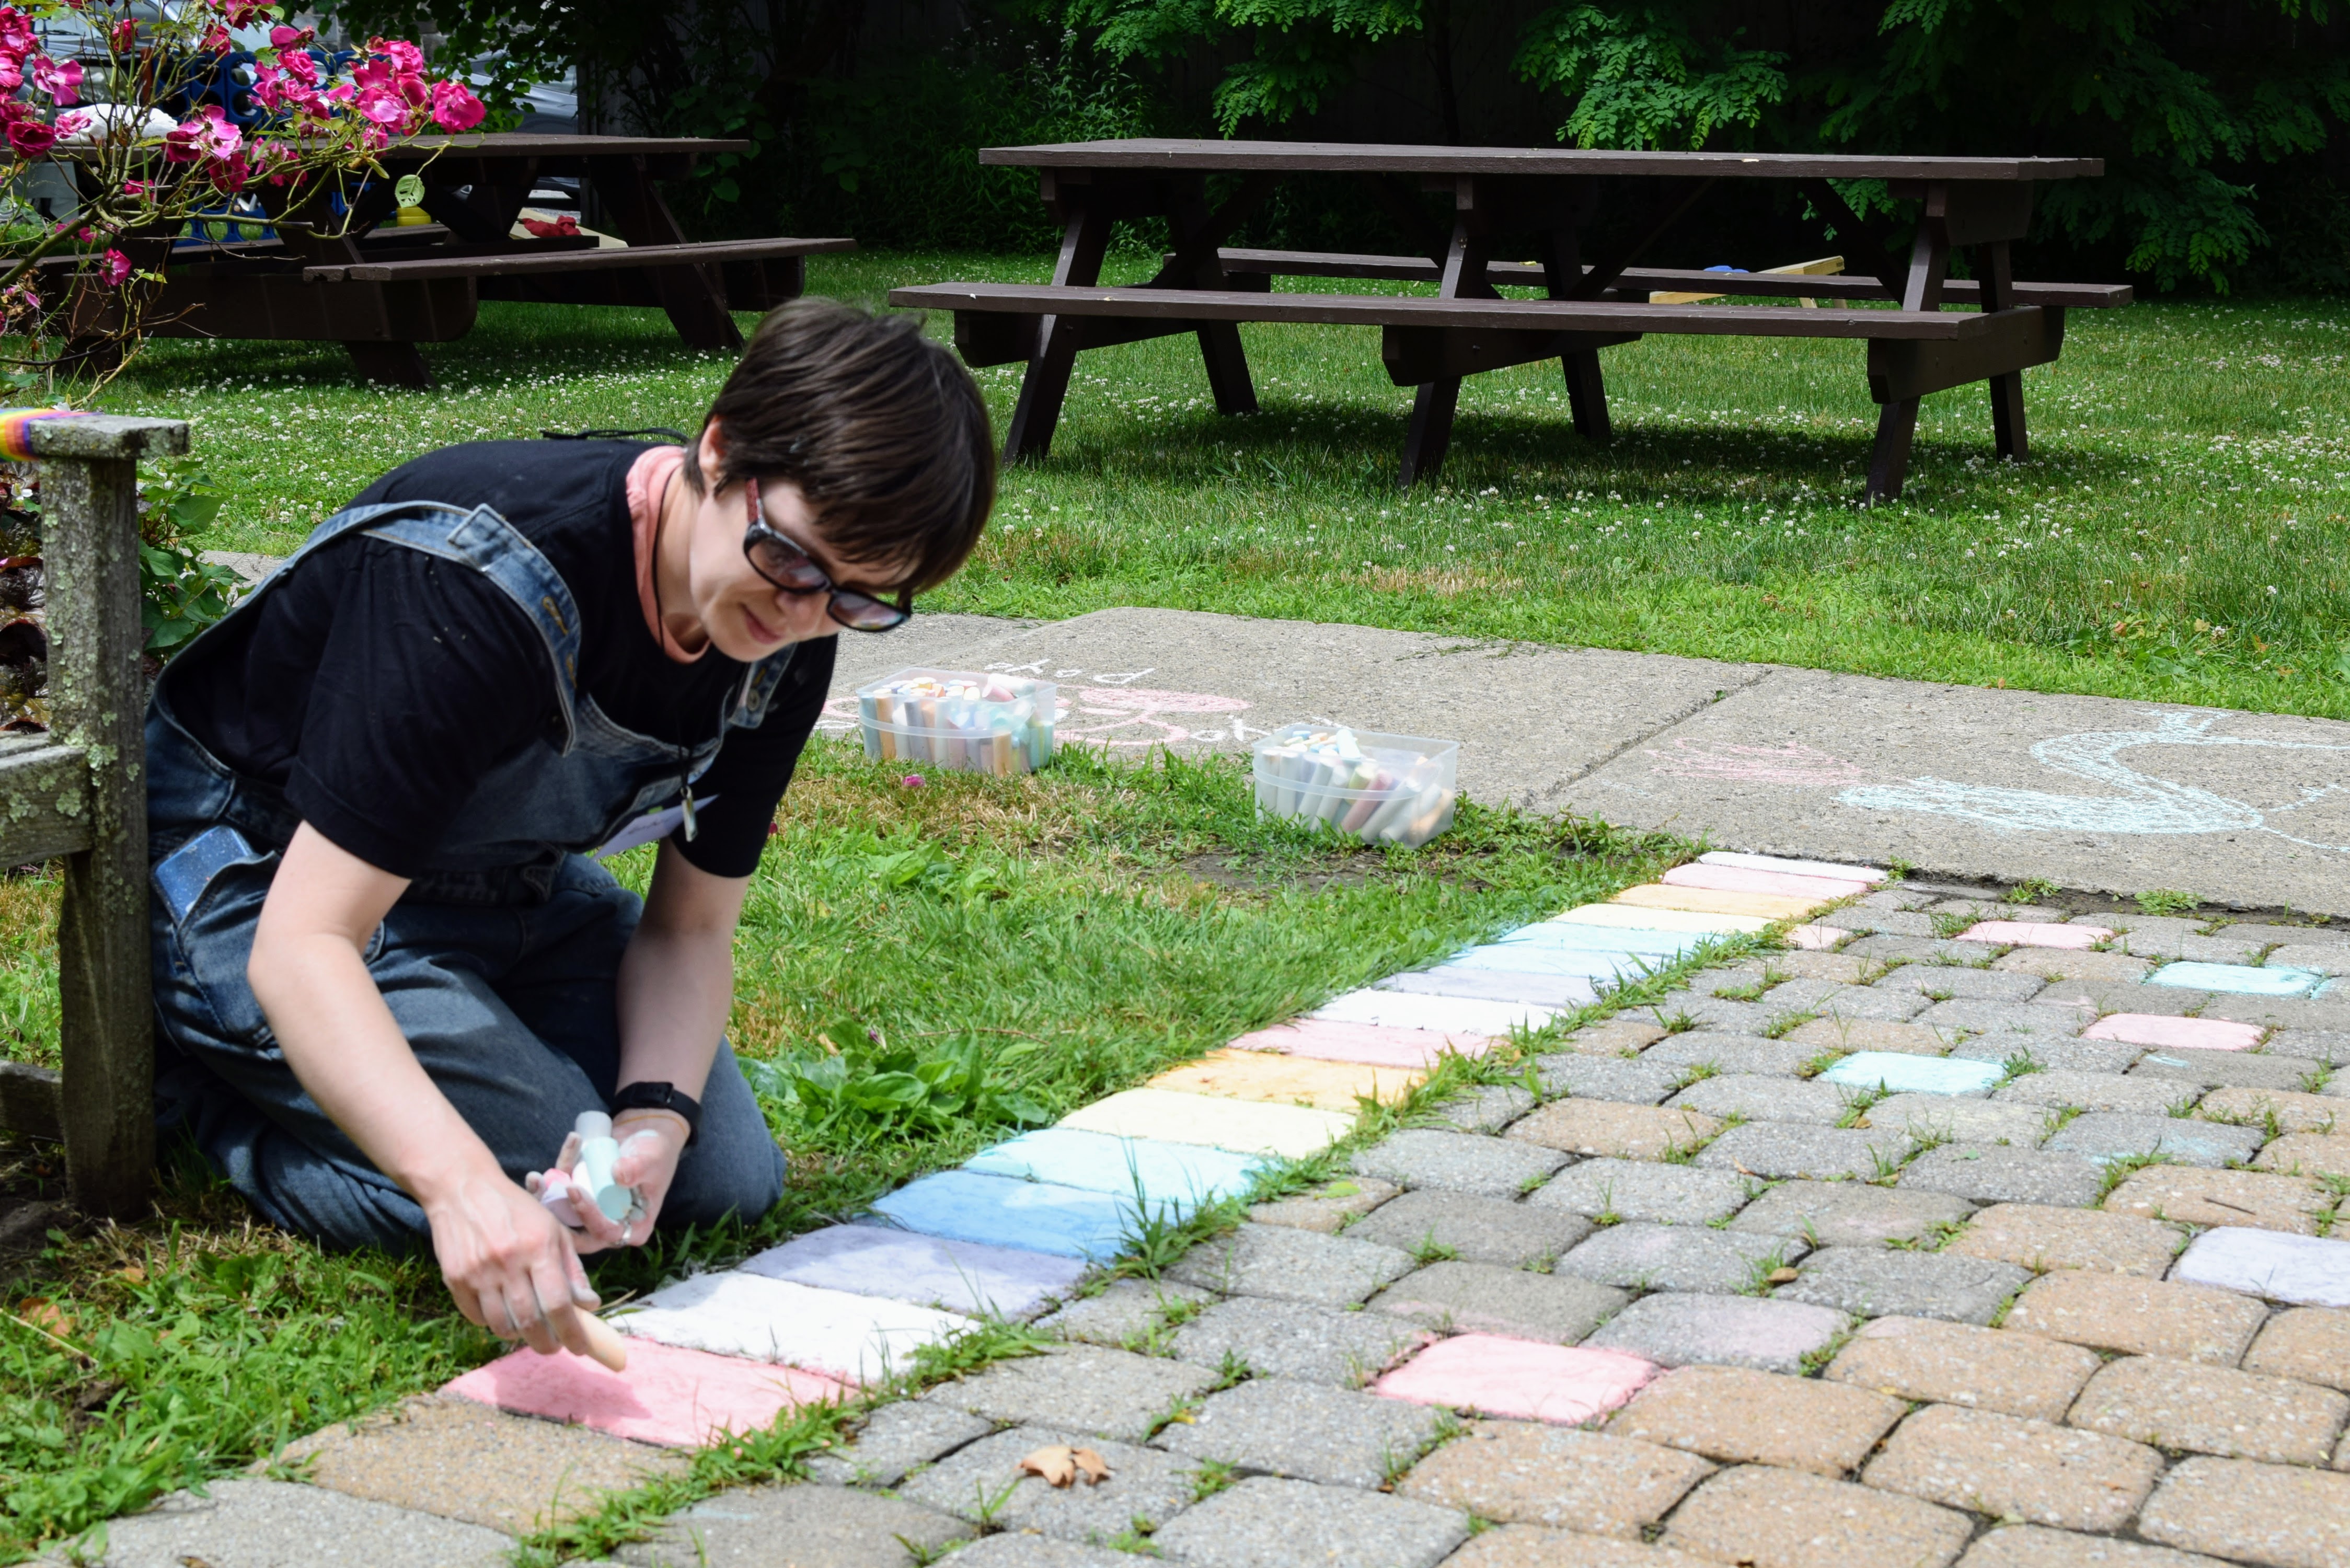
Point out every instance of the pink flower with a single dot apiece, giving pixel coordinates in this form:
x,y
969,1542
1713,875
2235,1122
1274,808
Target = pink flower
x,y
115,269
72,124
244,13
31,137
217,40
282,36
300,66
912,781
454,107
61,79
207,133
123,37
16,32
12,70
404,55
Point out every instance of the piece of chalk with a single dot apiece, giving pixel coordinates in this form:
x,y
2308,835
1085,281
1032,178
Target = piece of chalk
x,y
605,1344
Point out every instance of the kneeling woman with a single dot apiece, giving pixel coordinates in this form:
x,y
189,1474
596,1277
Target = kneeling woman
x,y
388,977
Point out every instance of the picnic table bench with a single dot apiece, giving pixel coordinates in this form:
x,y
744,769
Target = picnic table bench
x,y
354,276
1545,197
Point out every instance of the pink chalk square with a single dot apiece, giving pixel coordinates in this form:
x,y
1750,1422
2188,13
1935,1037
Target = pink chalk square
x,y
1742,879
1817,938
2174,1033
1518,1377
1373,1044
682,1399
2035,934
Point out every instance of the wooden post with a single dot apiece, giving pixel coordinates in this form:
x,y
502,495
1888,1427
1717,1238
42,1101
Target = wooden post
x,y
89,470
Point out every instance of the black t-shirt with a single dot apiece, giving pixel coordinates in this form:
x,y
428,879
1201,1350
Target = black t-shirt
x,y
376,685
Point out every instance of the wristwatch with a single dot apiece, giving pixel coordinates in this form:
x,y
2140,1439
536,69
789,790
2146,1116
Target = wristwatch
x,y
657,1096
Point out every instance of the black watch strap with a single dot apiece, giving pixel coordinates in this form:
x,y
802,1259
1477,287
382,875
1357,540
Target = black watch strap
x,y
657,1096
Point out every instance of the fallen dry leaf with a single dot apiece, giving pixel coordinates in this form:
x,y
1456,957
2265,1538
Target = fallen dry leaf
x,y
1781,1277
45,1315
134,1275
1092,1466
1059,1465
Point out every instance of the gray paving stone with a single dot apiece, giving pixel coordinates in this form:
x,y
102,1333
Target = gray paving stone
x,y
2325,958
2227,947
828,1528
2273,932
1994,1173
278,1524
1126,1310
1940,983
1634,1082
1291,1339
1713,1012
1978,907
1876,1282
1326,1207
1877,1003
2330,1012
2328,1045
1307,1431
1800,995
1645,1257
2094,1092
2103,996
894,1439
1675,1330
1729,977
2228,1069
2050,1052
984,1481
1763,1099
1081,1388
1477,1230
1038,1551
1478,1298
1485,1109
1295,1265
1922,950
2108,1136
1774,1150
2141,928
1731,1053
1638,1190
1897,897
1459,1162
2001,1020
1265,1522
1879,923
1953,1119
1848,1213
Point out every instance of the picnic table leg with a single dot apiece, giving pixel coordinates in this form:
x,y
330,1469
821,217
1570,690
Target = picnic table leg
x,y
1042,390
1434,403
1997,283
1587,387
1220,341
1897,420
693,297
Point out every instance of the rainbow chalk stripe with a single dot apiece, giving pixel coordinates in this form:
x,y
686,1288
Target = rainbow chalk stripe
x,y
16,429
1014,1228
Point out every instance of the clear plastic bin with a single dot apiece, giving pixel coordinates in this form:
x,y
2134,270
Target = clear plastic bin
x,y
964,720
1382,789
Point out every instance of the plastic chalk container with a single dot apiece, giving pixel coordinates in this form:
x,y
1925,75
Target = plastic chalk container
x,y
1381,789
963,720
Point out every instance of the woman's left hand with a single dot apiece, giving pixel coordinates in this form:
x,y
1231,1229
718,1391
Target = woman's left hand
x,y
652,1141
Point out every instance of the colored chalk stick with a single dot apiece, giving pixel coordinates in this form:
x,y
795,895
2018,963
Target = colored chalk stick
x,y
2174,1033
1711,901
1817,939
961,1276
2301,1270
1659,919
1900,1074
1554,990
1519,1378
1245,1126
1402,1010
1365,1042
1288,1080
1833,872
681,1398
2241,979
2036,934
963,1206
1190,1173
854,1338
1745,880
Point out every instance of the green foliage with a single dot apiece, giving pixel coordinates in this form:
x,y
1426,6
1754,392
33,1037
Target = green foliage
x,y
180,593
1649,76
868,1089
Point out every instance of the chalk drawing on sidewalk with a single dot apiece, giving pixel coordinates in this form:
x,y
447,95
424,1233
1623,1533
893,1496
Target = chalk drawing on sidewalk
x,y
1793,763
2142,802
1111,710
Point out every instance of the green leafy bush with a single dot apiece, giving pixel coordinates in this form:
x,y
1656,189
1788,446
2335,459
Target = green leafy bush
x,y
865,1089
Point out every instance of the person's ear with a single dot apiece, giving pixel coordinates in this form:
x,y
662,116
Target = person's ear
x,y
709,454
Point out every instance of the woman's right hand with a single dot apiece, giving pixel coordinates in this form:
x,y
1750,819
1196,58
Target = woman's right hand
x,y
509,1264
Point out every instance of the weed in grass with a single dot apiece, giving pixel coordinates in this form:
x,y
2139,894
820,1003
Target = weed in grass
x,y
2168,901
2124,1167
1212,1477
1816,1361
1948,925
1431,1251
2032,890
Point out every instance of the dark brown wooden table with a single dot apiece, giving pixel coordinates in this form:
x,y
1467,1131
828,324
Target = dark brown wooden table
x,y
380,289
1544,199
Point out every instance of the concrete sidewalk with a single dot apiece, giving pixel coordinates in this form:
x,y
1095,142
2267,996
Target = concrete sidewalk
x,y
2246,810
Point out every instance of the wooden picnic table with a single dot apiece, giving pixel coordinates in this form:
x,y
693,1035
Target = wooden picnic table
x,y
1544,199
356,278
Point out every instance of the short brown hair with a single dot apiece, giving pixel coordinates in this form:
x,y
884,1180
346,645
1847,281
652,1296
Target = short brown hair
x,y
880,428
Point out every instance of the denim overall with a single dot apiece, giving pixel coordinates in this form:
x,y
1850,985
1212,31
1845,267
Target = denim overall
x,y
500,962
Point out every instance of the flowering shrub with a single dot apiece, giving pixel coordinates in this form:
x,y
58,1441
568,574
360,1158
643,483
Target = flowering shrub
x,y
116,92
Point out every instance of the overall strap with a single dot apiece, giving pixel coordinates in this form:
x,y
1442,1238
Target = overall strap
x,y
758,689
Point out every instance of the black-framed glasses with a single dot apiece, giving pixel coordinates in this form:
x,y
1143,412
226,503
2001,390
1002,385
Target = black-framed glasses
x,y
790,568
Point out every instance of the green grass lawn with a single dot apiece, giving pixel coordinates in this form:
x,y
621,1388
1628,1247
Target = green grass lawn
x,y
2180,534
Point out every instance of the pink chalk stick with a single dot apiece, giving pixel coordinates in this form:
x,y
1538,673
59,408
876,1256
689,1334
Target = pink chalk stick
x,y
682,1398
1740,879
1518,1377
2174,1033
2034,934
1373,1044
1817,939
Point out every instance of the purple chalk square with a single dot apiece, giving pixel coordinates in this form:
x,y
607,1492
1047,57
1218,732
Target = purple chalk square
x,y
2241,980
1902,1073
962,1205
961,1276
1495,986
1188,1174
1518,1377
2301,1270
1678,1330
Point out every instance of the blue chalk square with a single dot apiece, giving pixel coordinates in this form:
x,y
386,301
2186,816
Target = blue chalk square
x,y
1188,1174
1904,1075
1041,1216
2243,979
1573,937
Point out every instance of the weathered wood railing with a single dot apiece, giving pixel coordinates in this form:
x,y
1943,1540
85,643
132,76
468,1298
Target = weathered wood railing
x,y
81,793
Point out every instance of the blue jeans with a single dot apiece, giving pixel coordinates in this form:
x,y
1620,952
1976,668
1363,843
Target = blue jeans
x,y
510,1009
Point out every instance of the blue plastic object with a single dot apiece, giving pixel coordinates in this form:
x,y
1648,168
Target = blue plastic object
x,y
1167,1173
2243,979
1904,1075
1041,1216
